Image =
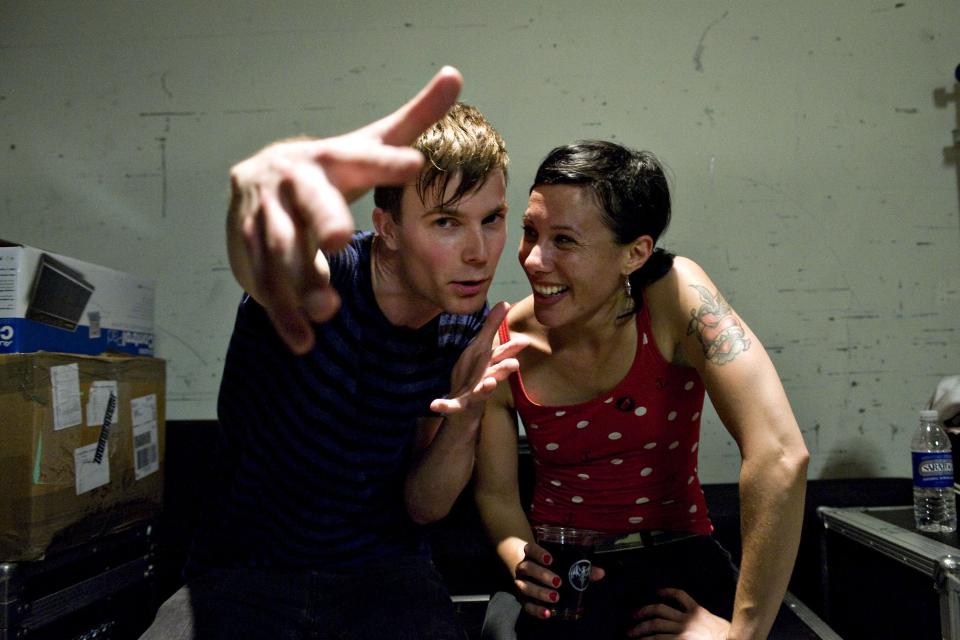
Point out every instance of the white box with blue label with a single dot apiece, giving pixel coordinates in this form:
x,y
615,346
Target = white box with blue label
x,y
51,302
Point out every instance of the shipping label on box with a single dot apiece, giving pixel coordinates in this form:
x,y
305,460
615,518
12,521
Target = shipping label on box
x,y
82,448
50,302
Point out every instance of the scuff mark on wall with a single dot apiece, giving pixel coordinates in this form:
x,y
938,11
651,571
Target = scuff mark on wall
x,y
698,54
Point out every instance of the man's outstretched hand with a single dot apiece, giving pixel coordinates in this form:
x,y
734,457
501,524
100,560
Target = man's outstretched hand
x,y
289,203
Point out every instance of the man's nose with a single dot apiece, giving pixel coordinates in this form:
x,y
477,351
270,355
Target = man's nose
x,y
475,247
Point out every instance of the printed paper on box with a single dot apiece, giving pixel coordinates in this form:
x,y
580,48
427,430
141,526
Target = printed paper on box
x,y
90,474
145,452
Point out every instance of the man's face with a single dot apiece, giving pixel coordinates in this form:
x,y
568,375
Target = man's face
x,y
446,257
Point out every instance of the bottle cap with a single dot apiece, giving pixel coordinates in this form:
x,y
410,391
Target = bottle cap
x,y
930,415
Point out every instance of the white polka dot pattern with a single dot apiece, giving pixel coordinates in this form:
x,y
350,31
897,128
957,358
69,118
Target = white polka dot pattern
x,y
623,460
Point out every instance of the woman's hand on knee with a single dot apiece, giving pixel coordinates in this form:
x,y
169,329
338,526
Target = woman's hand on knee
x,y
688,622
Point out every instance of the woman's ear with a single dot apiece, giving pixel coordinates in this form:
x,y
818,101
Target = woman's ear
x,y
638,252
386,227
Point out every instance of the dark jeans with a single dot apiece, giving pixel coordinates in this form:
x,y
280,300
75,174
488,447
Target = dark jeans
x,y
699,566
403,599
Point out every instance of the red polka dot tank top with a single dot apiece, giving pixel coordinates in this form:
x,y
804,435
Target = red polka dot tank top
x,y
625,461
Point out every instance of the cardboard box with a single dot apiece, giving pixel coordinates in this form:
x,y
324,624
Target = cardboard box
x,y
49,302
54,494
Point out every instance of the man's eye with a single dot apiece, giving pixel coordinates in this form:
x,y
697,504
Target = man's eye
x,y
528,232
444,222
493,218
563,240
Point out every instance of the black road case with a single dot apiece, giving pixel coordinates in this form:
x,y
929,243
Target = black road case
x,y
884,579
103,590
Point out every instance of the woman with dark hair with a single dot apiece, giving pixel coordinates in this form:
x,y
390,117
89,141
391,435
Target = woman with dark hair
x,y
625,340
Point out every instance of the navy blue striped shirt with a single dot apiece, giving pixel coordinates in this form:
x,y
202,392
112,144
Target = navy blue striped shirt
x,y
315,448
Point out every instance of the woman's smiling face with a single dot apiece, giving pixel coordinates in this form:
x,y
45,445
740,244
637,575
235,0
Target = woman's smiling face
x,y
570,256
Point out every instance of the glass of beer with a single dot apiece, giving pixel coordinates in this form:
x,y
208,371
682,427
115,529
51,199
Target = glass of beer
x,y
572,551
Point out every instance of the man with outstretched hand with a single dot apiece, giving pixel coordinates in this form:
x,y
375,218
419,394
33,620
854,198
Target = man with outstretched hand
x,y
354,380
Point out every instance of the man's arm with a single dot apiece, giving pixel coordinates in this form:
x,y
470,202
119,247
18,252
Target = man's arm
x,y
289,203
445,449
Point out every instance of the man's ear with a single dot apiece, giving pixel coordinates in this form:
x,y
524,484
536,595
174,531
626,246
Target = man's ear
x,y
638,252
386,227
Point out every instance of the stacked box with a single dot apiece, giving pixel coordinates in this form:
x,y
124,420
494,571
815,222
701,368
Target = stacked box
x,y
81,448
50,302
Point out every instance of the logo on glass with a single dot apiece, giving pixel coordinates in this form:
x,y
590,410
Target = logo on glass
x,y
579,574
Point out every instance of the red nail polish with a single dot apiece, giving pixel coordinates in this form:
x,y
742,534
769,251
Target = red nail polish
x,y
545,614
547,559
554,596
556,582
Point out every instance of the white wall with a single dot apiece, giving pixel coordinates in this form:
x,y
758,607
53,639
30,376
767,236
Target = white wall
x,y
810,160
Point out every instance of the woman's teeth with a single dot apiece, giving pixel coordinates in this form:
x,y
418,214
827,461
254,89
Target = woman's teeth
x,y
550,291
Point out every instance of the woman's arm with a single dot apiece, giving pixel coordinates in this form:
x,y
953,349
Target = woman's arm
x,y
497,493
745,389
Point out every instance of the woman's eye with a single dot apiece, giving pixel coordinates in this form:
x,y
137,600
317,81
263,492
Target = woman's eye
x,y
563,240
528,232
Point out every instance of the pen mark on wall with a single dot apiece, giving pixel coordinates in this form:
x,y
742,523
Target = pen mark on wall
x,y
186,344
163,84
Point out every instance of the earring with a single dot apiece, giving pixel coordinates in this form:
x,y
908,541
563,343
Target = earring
x,y
627,288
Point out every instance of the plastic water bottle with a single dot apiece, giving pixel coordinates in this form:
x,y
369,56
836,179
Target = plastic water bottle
x,y
934,505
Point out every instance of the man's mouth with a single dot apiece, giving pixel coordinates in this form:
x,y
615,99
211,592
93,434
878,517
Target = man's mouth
x,y
469,287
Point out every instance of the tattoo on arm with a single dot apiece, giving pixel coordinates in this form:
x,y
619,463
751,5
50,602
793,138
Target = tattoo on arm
x,y
716,326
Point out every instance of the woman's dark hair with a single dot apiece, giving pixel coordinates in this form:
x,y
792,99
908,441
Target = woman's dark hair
x,y
631,189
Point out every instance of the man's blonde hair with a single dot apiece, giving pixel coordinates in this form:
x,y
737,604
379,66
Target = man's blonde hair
x,y
461,144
